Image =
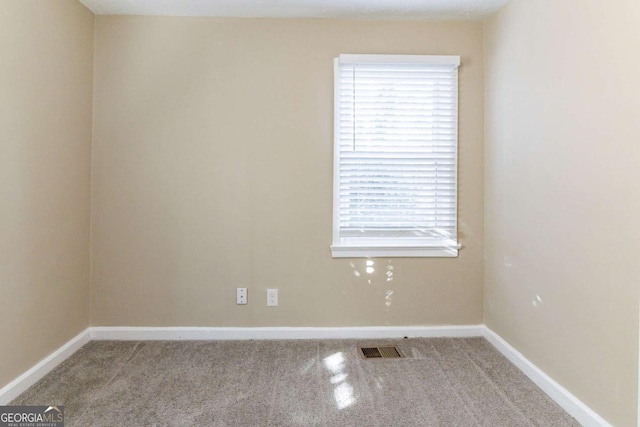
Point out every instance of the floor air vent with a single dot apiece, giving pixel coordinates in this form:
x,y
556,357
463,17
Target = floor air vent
x,y
380,352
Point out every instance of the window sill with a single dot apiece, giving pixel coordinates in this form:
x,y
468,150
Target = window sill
x,y
394,251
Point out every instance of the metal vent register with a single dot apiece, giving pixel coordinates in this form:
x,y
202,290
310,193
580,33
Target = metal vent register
x,y
380,352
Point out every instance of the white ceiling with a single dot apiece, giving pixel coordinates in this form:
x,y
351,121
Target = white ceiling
x,y
361,9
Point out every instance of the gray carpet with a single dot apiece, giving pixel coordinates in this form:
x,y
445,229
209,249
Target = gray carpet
x,y
442,382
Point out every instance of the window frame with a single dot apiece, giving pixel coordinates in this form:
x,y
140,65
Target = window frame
x,y
360,247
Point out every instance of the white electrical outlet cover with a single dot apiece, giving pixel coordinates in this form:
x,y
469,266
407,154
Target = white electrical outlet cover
x,y
241,296
272,297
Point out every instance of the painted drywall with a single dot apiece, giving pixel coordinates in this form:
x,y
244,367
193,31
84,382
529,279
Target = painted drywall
x,y
433,10
212,169
45,140
561,193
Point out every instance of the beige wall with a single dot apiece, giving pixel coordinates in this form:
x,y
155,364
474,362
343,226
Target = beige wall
x,y
562,195
213,170
45,141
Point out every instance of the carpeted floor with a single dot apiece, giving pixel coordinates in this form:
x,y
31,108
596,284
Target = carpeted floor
x,y
441,382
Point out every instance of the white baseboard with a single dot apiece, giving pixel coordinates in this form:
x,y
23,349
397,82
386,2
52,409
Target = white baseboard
x,y
271,333
42,368
570,403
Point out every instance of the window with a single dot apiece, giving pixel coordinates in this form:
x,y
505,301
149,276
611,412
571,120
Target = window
x,y
395,156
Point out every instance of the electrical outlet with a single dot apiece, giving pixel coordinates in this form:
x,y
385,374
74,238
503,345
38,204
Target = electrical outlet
x,y
241,296
272,297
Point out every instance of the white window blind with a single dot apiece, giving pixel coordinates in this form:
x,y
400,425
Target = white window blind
x,y
395,171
